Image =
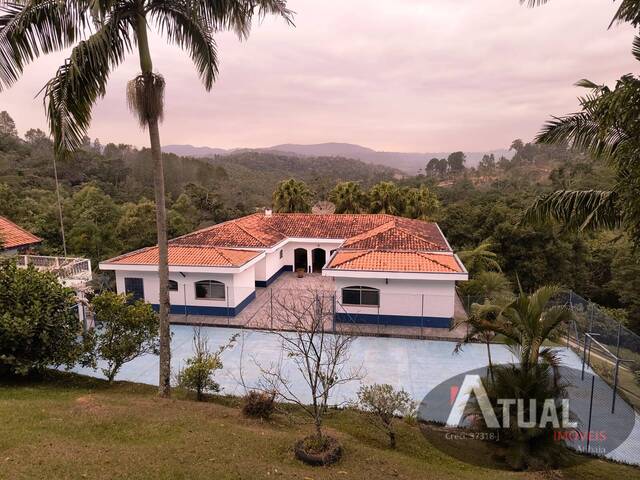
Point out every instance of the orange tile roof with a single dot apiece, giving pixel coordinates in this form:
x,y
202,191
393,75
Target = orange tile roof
x,y
13,236
395,261
188,257
263,231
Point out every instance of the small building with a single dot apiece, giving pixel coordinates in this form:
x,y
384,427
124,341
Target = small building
x,y
15,239
381,267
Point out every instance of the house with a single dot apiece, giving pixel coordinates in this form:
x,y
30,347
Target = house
x,y
15,239
382,268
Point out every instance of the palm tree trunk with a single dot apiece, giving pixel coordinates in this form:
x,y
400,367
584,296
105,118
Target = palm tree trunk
x,y
146,66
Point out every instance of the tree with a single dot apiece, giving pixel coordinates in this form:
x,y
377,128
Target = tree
x,y
30,28
7,125
383,198
199,370
488,163
127,330
486,285
38,326
135,227
318,354
292,196
420,203
480,258
383,404
456,161
348,197
607,129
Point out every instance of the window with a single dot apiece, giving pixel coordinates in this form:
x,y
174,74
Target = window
x,y
361,296
173,286
281,253
210,289
135,288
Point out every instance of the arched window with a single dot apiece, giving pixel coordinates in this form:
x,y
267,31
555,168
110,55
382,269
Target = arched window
x,y
359,295
173,286
210,289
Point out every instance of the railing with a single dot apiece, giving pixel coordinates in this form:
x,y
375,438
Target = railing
x,y
66,268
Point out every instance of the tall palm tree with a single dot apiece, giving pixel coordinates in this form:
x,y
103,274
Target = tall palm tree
x,y
109,30
292,196
480,258
384,198
348,197
607,128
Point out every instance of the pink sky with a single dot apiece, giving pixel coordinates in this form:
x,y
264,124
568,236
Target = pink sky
x,y
407,75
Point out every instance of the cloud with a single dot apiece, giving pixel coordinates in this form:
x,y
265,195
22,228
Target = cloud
x,y
409,75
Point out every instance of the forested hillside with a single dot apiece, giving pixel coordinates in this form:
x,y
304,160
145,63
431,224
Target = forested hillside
x,y
106,194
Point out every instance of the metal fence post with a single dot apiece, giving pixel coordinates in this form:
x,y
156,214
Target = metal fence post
x,y
584,355
228,313
422,318
271,306
334,313
593,382
615,386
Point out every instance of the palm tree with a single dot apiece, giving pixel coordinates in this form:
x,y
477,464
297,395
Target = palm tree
x,y
528,322
607,128
29,28
348,197
292,196
420,203
480,258
383,198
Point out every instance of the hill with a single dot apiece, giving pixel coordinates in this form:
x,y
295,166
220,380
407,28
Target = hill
x,y
408,162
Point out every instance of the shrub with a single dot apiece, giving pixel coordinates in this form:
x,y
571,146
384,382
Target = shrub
x,y
383,405
127,330
198,372
38,325
259,404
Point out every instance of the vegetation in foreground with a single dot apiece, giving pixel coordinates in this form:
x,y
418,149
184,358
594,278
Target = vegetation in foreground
x,y
68,426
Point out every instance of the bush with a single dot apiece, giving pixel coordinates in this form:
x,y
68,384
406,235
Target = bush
x,y
38,325
127,330
259,404
198,372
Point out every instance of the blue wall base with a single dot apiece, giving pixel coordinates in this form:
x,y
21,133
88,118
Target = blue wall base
x,y
209,311
397,320
274,277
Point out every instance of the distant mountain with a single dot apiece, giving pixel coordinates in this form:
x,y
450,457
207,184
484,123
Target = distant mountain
x,y
408,162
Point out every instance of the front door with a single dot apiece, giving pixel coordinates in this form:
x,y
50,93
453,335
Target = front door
x,y
300,259
135,287
319,257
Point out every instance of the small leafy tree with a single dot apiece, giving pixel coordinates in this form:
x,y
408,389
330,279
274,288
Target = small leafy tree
x,y
127,330
38,325
383,405
199,370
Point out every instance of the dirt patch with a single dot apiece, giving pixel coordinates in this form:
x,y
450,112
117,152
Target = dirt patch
x,y
88,404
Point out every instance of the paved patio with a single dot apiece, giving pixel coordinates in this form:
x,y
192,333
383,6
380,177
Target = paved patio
x,y
262,313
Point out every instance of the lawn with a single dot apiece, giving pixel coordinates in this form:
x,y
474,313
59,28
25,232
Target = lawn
x,y
73,427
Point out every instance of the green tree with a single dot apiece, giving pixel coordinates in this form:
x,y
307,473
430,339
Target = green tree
x,y
383,198
383,405
199,370
30,28
126,330
135,229
420,203
38,326
348,197
456,161
292,196
7,125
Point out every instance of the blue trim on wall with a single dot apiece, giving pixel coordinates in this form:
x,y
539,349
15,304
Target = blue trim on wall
x,y
274,277
400,320
209,311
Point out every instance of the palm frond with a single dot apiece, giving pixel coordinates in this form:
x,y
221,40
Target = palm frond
x,y
29,29
635,50
582,209
629,11
70,95
238,15
183,25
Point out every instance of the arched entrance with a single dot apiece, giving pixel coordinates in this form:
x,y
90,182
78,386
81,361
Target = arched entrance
x,y
319,258
300,259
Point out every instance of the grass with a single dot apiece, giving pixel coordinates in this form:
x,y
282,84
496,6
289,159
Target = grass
x,y
71,427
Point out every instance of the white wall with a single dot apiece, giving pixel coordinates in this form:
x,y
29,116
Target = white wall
x,y
240,285
404,297
326,245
